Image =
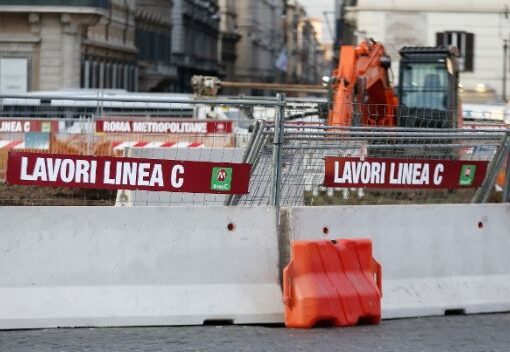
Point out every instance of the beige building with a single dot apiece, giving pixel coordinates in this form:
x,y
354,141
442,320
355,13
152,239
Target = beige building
x,y
85,43
261,27
323,50
478,28
154,44
229,36
195,36
304,49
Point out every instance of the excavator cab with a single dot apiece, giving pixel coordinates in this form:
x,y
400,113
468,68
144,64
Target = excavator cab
x,y
428,88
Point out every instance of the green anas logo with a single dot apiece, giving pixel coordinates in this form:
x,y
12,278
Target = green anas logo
x,y
221,179
467,175
46,127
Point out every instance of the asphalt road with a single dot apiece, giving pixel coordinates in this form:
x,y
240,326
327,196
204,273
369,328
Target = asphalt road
x,y
452,333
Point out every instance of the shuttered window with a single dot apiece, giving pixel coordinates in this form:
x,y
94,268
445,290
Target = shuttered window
x,y
464,42
98,73
153,46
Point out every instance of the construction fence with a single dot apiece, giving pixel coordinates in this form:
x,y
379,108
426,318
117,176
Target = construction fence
x,y
286,140
289,164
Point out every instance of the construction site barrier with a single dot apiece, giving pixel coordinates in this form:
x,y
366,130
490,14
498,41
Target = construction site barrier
x,y
111,144
111,266
149,198
332,282
437,259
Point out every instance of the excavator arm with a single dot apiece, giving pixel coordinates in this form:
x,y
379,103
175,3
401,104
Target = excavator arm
x,y
361,91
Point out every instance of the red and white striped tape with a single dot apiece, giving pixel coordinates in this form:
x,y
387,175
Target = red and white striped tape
x,y
137,144
12,144
120,145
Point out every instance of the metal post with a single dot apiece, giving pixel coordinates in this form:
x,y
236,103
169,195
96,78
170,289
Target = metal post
x,y
505,57
483,193
506,189
251,153
277,151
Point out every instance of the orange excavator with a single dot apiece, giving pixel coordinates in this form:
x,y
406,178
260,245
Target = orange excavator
x,y
361,81
361,93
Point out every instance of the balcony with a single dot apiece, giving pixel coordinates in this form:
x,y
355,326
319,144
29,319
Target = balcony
x,y
103,4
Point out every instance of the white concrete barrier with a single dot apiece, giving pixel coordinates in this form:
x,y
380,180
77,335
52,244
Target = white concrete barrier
x,y
112,266
435,258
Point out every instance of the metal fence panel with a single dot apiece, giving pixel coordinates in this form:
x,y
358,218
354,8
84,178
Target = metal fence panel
x,y
305,147
68,124
287,170
148,198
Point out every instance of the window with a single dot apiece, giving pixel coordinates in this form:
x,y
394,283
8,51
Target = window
x,y
85,73
464,42
13,75
153,46
99,74
425,86
115,72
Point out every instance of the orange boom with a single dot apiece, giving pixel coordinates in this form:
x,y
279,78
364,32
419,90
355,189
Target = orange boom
x,y
362,92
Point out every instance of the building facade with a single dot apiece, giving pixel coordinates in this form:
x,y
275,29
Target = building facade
x,y
108,50
154,44
195,36
295,15
260,25
478,29
321,53
304,48
229,36
84,43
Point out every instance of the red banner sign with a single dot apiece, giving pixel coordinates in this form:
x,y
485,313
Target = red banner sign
x,y
164,126
403,173
23,126
127,173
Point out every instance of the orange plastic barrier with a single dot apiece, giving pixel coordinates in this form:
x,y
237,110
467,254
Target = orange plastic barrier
x,y
334,282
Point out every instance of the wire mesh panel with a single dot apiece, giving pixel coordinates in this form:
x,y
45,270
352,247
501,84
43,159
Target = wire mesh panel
x,y
258,153
148,198
305,147
389,115
287,170
111,123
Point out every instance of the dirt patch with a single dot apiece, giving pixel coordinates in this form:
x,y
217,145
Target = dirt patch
x,y
29,195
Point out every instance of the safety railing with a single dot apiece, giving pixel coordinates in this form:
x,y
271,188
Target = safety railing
x,y
109,124
302,152
286,140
